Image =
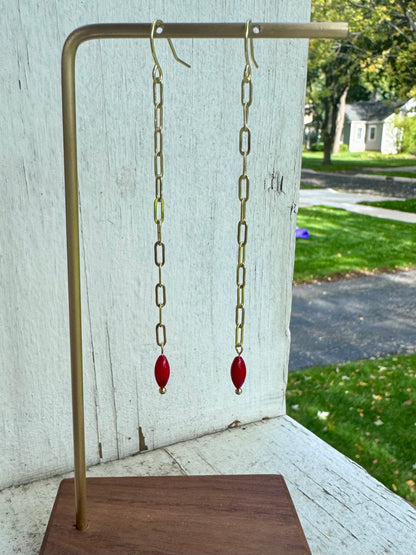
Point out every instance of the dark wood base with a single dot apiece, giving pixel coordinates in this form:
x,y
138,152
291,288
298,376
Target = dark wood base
x,y
187,515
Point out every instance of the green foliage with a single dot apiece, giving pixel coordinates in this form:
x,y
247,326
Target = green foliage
x,y
391,70
343,243
407,135
337,67
317,147
366,410
379,57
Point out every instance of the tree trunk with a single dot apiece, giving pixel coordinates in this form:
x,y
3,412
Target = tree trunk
x,y
339,124
327,151
326,131
331,106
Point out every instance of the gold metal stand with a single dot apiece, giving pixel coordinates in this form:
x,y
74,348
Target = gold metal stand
x,y
123,31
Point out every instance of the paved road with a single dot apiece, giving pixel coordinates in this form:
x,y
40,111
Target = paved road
x,y
400,187
353,319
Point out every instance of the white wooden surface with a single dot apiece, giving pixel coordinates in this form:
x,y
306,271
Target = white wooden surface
x,y
343,510
203,116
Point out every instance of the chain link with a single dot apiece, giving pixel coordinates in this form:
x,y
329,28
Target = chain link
x,y
243,195
159,203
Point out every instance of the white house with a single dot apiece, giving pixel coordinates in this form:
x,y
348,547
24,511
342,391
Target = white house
x,y
369,125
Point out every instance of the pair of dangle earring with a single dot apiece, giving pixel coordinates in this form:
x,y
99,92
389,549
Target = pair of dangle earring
x,y
238,367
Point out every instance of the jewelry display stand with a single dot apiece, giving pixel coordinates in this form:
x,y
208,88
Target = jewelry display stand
x,y
241,514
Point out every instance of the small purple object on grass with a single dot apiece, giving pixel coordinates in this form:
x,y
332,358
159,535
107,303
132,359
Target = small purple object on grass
x,y
302,233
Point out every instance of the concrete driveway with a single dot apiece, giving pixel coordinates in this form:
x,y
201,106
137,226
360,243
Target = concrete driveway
x,y
350,201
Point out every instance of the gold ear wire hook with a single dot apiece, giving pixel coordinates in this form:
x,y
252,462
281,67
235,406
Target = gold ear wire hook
x,y
158,23
175,55
248,39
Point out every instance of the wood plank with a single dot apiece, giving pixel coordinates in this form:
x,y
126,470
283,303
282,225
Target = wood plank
x,y
343,510
238,515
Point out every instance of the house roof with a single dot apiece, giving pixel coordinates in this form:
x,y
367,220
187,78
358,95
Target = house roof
x,y
378,110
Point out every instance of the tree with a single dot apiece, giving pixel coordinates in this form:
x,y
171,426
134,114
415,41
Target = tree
x,y
392,69
334,67
379,56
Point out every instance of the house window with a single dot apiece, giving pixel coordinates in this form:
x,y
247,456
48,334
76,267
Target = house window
x,y
372,132
360,133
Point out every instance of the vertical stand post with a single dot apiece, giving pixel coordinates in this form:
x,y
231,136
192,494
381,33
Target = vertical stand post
x,y
74,280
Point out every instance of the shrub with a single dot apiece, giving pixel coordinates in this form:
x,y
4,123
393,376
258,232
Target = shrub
x,y
317,147
406,135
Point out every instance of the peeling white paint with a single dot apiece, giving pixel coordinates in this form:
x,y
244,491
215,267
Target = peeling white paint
x,y
343,510
202,165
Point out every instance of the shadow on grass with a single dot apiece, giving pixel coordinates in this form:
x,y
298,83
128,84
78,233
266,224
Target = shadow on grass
x,y
346,244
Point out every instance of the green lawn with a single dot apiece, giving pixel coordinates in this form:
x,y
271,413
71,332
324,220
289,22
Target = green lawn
x,y
392,174
311,186
401,205
342,243
366,410
356,161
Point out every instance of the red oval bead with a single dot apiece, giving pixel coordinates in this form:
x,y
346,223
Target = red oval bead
x,y
162,371
238,372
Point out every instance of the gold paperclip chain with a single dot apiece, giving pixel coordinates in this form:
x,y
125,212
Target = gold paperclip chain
x,y
243,195
159,204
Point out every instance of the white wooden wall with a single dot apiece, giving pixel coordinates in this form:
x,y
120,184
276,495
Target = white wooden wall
x,y
203,116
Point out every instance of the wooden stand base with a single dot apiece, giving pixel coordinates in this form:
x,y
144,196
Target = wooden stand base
x,y
188,515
